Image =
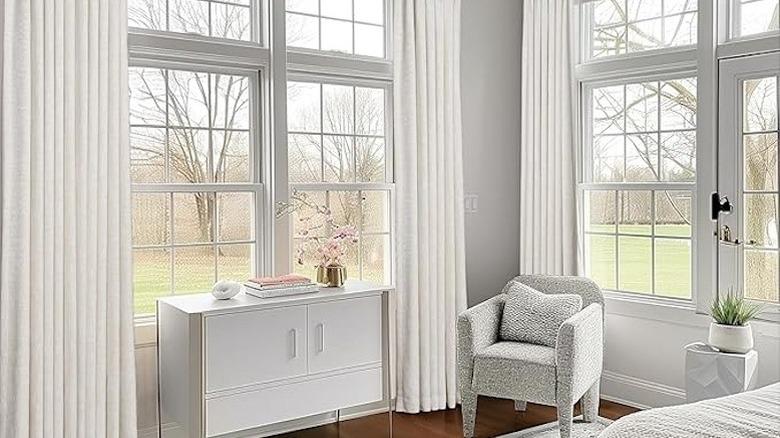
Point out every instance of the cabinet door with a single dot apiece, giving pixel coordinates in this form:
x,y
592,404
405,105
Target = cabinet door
x,y
253,347
345,333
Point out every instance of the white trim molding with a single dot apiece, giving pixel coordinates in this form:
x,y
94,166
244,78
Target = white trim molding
x,y
638,393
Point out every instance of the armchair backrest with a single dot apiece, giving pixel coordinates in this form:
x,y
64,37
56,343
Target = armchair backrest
x,y
558,284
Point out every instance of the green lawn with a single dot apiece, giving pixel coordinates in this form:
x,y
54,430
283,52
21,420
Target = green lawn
x,y
635,268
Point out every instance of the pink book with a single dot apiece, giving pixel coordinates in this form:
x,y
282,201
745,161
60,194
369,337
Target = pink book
x,y
282,279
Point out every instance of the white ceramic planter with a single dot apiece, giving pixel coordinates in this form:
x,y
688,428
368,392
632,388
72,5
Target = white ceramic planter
x,y
731,338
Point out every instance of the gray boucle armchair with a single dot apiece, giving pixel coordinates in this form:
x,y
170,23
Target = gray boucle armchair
x,y
525,372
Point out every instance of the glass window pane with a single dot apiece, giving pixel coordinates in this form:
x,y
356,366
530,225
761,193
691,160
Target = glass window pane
x,y
370,157
311,218
756,16
146,14
370,111
760,105
147,155
601,211
188,155
304,6
376,258
609,41
644,25
338,158
673,213
303,107
673,268
644,9
304,156
601,260
338,109
370,11
230,101
645,35
151,278
345,206
336,9
230,21
678,155
147,96
194,269
761,275
641,158
376,211
607,104
193,216
680,30
607,156
760,172
231,156
303,31
635,264
760,220
642,107
336,35
188,16
369,40
188,98
151,219
236,213
234,262
634,210
678,104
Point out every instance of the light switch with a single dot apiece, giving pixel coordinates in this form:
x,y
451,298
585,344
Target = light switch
x,y
471,203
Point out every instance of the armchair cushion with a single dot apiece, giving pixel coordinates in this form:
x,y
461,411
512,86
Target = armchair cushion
x,y
534,317
516,370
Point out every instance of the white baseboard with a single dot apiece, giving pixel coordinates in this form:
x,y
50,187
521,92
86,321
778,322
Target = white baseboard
x,y
639,393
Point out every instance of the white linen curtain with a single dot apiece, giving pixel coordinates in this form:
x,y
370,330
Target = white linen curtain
x,y
548,240
66,331
431,279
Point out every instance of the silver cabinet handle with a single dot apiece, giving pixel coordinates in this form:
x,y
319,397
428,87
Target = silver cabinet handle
x,y
294,343
322,337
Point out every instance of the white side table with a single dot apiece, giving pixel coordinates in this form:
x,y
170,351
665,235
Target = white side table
x,y
710,373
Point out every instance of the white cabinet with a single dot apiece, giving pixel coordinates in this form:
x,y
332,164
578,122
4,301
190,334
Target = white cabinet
x,y
343,333
248,363
254,347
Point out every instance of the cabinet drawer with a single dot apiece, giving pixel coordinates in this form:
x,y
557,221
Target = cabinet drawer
x,y
286,402
345,333
254,347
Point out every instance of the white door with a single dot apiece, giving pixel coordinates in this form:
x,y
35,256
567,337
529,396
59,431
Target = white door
x,y
345,333
749,262
246,348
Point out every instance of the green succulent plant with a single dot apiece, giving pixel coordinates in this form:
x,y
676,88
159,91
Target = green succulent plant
x,y
733,310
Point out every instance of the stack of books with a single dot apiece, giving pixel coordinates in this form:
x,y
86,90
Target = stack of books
x,y
281,286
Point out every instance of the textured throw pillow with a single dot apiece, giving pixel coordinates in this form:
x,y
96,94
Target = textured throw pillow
x,y
535,317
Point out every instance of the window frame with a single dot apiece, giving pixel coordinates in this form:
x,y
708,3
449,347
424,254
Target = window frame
x,y
732,12
585,184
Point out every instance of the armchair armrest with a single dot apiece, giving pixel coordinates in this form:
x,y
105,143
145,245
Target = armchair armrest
x,y
477,329
579,350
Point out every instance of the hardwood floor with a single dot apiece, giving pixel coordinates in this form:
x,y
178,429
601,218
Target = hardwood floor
x,y
494,417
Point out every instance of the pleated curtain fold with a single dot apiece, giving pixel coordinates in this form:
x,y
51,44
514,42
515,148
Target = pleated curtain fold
x,y
548,211
431,280
66,330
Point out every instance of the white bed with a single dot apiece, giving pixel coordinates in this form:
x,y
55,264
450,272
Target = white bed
x,y
751,414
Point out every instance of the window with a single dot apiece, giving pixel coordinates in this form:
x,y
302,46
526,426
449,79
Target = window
x,y
337,155
639,186
345,26
619,27
752,17
195,197
759,134
231,19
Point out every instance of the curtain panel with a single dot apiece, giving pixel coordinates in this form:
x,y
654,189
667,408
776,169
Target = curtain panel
x,y
548,210
430,257
66,313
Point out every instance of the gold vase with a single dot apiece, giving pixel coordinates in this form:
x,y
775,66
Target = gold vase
x,y
331,276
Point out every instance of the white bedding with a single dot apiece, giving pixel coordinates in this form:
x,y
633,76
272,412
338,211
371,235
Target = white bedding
x,y
747,415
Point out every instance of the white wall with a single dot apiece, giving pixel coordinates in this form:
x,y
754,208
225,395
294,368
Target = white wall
x,y
490,92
